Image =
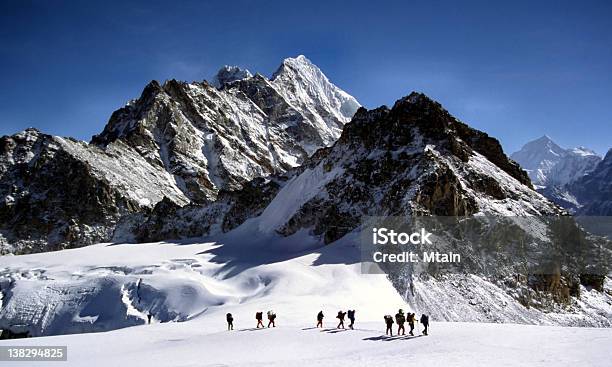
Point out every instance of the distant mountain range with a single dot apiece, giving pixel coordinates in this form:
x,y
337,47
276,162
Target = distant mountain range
x,y
578,179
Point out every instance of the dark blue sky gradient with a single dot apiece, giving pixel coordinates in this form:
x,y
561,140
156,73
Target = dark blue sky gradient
x,y
514,69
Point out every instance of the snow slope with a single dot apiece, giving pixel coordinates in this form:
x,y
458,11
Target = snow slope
x,y
204,342
104,287
111,286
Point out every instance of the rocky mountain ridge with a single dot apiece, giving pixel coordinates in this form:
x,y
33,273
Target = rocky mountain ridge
x,y
412,159
177,143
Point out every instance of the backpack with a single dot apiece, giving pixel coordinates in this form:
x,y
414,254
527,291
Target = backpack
x,y
400,318
389,319
351,314
258,315
229,317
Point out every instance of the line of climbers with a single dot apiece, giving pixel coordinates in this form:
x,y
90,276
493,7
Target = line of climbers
x,y
400,319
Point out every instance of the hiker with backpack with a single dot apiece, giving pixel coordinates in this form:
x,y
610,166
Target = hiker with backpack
x,y
411,320
271,318
400,318
230,321
389,323
351,317
425,322
259,318
340,317
320,317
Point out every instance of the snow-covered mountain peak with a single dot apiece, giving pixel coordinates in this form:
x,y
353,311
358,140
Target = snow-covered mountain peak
x,y
543,148
540,157
544,139
228,74
186,142
297,62
415,158
304,86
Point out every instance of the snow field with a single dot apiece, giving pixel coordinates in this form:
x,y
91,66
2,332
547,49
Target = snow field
x,y
197,343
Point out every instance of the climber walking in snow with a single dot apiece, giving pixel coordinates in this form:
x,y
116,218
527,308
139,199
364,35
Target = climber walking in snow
x,y
425,322
351,317
389,323
400,318
340,317
259,318
320,317
230,321
271,318
411,320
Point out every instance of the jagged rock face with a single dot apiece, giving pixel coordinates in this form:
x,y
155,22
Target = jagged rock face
x,y
169,220
215,139
186,142
280,113
326,108
199,135
594,190
412,159
59,193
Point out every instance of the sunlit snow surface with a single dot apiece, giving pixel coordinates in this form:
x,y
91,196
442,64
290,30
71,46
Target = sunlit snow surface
x,y
205,342
113,286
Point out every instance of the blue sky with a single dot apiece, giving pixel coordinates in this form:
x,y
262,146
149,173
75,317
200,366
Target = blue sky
x,y
515,69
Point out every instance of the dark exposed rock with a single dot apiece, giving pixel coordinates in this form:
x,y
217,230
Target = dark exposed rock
x,y
52,198
441,194
413,159
169,220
